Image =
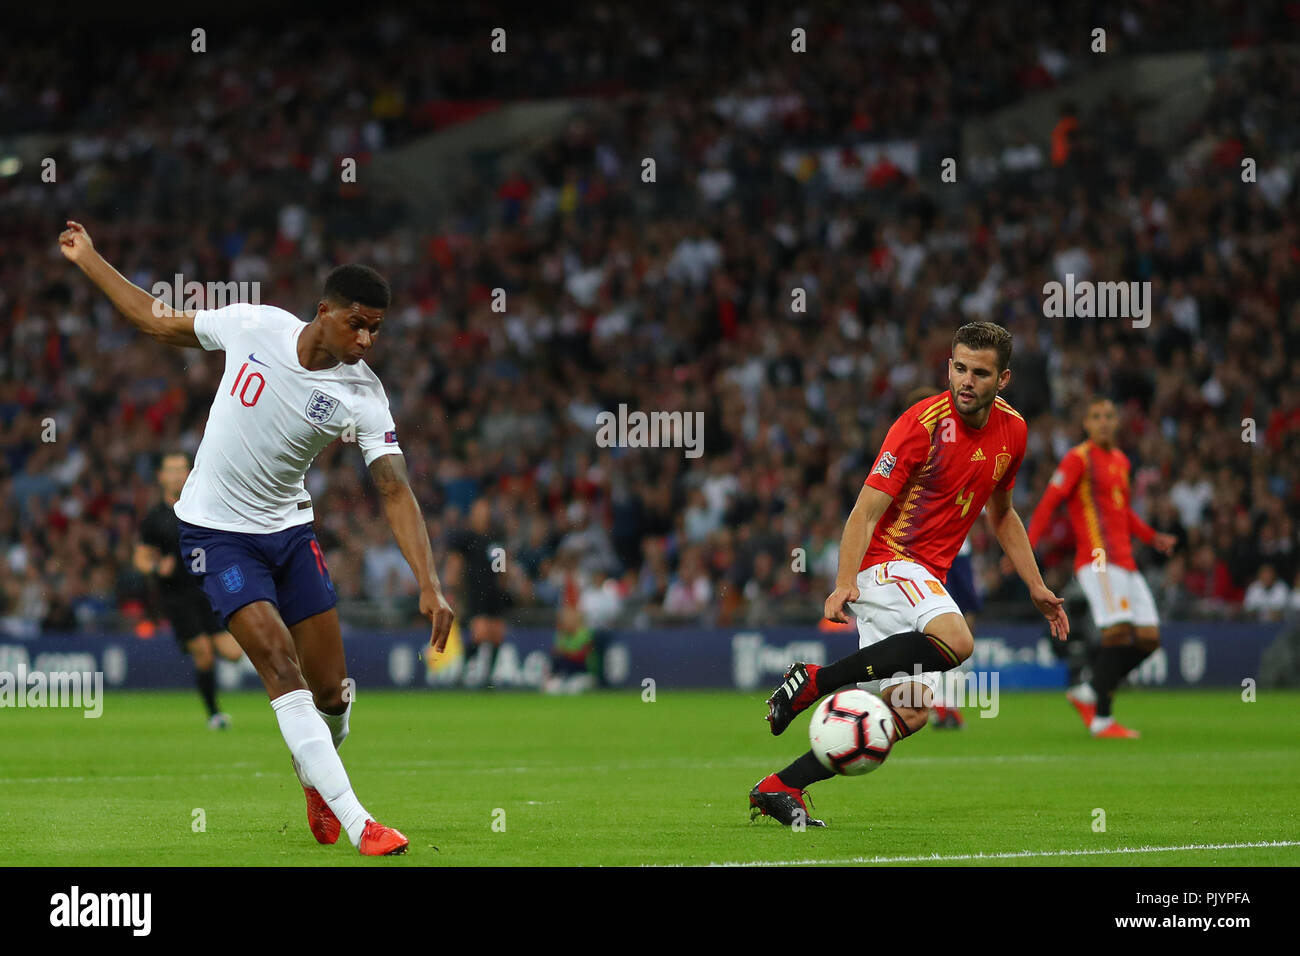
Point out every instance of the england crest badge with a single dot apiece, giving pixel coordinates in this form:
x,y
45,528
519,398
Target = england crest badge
x,y
320,407
232,579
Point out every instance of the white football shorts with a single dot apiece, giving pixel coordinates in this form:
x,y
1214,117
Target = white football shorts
x,y
1117,596
897,596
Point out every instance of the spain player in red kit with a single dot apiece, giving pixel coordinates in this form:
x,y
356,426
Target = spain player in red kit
x,y
941,462
1093,480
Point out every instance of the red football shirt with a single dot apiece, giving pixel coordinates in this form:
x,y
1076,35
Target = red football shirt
x,y
940,472
1094,482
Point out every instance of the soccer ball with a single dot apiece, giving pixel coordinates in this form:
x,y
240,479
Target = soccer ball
x,y
852,732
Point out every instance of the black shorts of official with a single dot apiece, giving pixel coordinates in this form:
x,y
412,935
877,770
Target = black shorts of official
x,y
485,602
191,614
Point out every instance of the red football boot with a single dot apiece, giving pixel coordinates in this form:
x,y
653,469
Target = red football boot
x,y
771,798
379,840
324,824
1119,731
1087,709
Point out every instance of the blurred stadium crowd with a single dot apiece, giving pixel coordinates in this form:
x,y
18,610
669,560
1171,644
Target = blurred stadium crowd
x,y
674,295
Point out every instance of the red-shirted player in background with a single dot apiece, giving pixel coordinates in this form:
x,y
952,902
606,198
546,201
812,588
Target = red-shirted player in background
x,y
1093,479
942,460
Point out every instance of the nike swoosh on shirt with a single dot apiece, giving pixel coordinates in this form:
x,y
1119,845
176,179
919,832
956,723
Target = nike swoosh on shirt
x,y
259,362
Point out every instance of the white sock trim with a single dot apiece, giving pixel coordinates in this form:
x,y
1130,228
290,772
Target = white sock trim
x,y
294,696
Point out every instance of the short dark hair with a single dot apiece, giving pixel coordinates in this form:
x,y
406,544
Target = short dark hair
x,y
357,283
985,335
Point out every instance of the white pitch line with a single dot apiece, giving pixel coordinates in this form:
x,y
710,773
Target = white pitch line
x,y
417,767
1018,855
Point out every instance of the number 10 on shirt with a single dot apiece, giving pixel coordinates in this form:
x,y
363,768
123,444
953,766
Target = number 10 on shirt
x,y
243,394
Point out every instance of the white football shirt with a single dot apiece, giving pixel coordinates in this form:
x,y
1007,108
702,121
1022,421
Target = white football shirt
x,y
270,419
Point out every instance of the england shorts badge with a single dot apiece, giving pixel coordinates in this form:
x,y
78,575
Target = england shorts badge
x,y
885,465
232,579
320,407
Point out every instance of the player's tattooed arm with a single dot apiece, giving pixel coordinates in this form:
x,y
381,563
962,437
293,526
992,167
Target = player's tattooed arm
x,y
404,517
1006,524
151,316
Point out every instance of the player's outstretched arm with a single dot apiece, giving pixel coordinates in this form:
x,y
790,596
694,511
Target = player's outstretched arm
x,y
404,517
149,315
1011,534
867,510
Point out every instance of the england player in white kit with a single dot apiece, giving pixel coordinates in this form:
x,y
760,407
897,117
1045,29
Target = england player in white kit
x,y
289,389
270,419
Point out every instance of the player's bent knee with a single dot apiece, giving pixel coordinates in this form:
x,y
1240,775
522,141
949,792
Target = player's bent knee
x,y
953,630
1147,638
278,670
269,646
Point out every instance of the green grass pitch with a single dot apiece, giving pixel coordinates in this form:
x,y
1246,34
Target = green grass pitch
x,y
610,779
